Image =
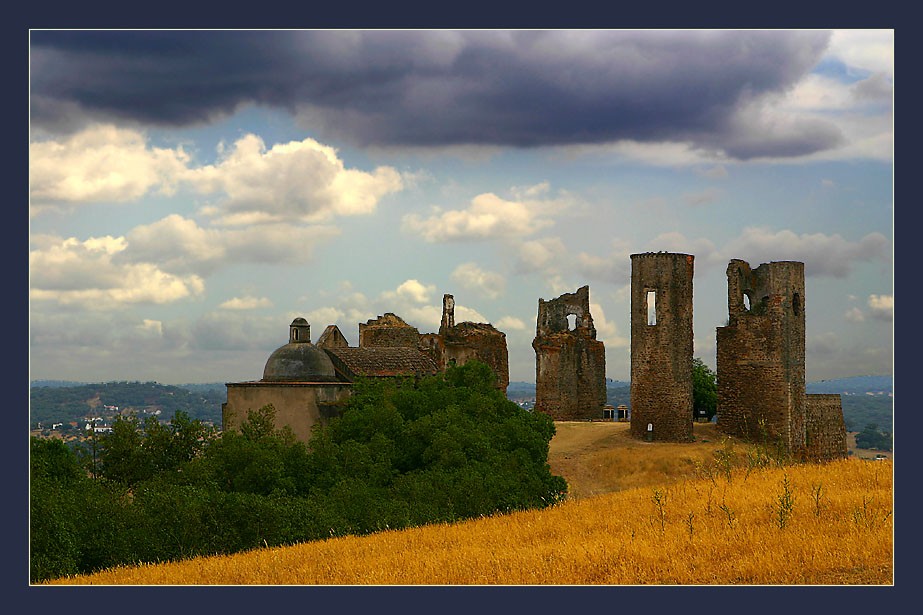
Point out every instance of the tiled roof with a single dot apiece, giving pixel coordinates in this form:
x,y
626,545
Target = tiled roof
x,y
381,362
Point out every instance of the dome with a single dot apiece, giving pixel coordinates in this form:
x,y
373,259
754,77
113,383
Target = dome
x,y
299,362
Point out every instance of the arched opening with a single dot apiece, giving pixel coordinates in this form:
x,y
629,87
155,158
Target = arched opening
x,y
571,322
796,304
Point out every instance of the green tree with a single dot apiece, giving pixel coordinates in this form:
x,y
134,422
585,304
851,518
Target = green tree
x,y
704,390
872,437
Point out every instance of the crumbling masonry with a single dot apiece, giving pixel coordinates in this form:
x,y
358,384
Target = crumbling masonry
x,y
570,363
455,344
761,365
661,346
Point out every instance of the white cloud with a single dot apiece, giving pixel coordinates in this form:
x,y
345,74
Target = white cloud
x,y
246,303
180,244
410,290
715,172
854,314
864,50
487,283
823,255
298,180
606,331
86,273
882,307
102,163
488,216
538,254
510,323
703,197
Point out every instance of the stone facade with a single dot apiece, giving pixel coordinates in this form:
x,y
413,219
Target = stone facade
x,y
388,330
570,364
825,430
661,346
459,343
760,354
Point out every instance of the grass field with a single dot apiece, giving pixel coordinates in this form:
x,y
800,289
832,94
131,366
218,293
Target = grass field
x,y
709,512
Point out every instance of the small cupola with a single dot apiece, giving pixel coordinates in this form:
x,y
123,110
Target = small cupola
x,y
299,331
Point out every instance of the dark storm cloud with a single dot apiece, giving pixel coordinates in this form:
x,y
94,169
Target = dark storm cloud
x,y
433,88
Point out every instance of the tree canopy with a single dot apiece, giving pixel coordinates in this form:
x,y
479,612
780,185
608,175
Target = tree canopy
x,y
704,390
402,453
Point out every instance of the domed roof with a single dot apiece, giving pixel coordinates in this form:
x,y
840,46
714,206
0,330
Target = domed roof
x,y
299,362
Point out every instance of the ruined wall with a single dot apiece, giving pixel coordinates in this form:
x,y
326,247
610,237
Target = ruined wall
x,y
825,430
570,364
760,354
332,337
462,342
662,346
389,330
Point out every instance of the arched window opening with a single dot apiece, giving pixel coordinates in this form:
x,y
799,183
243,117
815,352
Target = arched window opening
x,y
571,322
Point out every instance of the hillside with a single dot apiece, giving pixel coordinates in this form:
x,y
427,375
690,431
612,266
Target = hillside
x,y
54,403
638,513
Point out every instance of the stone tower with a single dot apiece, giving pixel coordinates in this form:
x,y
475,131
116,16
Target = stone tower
x,y
570,363
661,346
761,376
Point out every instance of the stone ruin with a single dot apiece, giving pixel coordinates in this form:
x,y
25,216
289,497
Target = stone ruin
x,y
661,346
454,344
761,365
570,363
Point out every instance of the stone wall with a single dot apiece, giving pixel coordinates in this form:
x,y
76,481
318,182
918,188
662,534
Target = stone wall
x,y
661,346
825,430
388,330
459,343
760,354
570,364
299,405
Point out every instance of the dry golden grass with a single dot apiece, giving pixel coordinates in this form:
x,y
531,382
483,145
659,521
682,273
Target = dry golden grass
x,y
808,524
602,457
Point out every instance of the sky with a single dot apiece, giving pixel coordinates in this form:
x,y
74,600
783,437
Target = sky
x,y
191,192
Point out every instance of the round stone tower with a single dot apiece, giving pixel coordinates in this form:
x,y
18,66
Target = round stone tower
x,y
661,346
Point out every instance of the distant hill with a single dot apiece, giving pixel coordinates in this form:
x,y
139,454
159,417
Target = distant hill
x,y
856,384
72,402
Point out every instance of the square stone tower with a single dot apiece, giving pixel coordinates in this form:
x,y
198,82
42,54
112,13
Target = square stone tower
x,y
661,346
570,363
761,375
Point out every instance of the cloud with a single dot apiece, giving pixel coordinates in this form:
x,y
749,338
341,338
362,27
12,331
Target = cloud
x,y
302,181
704,197
246,303
715,172
854,314
87,274
180,244
882,307
606,331
823,255
511,323
299,180
102,163
445,88
538,254
411,290
487,283
487,217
